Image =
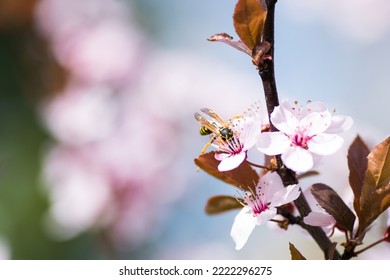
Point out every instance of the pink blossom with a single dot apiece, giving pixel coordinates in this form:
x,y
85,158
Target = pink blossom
x,y
95,39
260,206
71,116
305,134
233,152
232,139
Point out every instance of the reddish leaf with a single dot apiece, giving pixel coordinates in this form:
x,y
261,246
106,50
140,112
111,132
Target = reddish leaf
x,y
244,176
357,163
295,254
375,193
328,199
221,203
249,17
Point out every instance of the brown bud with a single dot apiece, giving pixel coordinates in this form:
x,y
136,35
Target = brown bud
x,y
259,53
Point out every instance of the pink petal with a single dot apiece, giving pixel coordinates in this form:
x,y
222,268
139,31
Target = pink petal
x,y
287,195
340,124
316,122
284,119
221,156
269,184
243,225
298,159
230,162
248,129
325,144
319,219
265,216
292,193
316,106
273,143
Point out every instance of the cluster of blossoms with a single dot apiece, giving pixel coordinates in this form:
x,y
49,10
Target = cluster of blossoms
x,y
304,135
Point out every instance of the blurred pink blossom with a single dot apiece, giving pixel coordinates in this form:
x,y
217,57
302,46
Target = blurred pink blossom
x,y
72,115
95,40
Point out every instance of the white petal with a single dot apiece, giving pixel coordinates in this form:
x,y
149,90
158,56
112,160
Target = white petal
x,y
319,219
340,124
316,122
312,201
221,156
249,130
230,162
284,119
298,159
266,216
316,106
273,143
243,225
287,195
292,193
325,144
269,184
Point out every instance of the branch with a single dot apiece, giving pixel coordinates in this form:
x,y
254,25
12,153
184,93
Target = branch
x,y
267,74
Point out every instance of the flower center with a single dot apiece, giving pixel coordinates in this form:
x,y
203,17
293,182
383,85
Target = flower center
x,y
256,204
231,146
300,139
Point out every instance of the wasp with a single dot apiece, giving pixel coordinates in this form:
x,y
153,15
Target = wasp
x,y
216,127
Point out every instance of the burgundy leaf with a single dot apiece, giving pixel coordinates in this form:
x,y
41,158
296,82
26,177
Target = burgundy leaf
x,y
295,254
328,199
249,17
244,176
375,193
221,203
357,163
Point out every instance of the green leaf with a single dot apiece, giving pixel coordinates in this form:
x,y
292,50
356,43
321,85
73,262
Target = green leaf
x,y
221,203
332,203
357,163
249,17
243,177
375,193
295,254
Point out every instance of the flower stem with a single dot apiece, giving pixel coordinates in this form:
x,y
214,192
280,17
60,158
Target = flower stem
x,y
267,74
370,246
260,166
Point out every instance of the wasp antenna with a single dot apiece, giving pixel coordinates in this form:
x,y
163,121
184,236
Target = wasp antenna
x,y
207,111
198,116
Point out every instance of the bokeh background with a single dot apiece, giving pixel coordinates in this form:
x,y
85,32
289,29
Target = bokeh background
x,y
97,135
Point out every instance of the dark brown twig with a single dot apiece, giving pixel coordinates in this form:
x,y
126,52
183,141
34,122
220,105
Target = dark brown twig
x,y
267,74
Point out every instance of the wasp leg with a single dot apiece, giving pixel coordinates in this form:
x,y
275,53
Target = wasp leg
x,y
208,145
235,117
